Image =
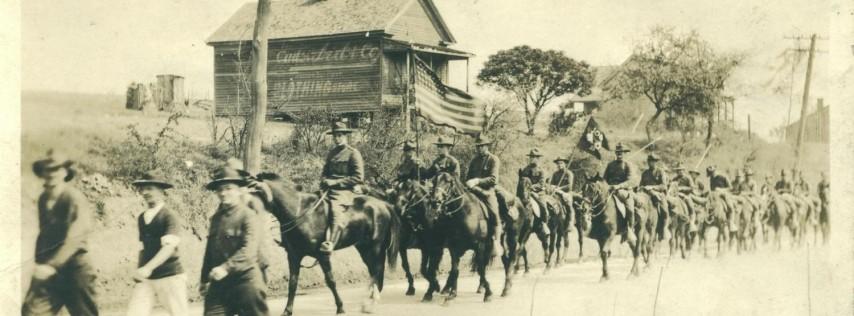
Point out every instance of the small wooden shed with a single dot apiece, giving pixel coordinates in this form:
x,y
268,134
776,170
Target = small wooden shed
x,y
345,56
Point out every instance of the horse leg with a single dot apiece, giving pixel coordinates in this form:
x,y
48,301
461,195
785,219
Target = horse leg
x,y
293,281
374,258
326,266
604,248
522,255
551,240
509,260
429,271
404,262
452,276
580,244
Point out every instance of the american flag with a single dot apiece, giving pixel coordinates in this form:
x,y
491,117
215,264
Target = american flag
x,y
444,105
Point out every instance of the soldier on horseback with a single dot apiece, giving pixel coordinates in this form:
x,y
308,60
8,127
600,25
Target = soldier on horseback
x,y
685,191
654,182
786,189
618,174
444,162
720,187
411,168
562,179
749,185
536,176
482,180
343,172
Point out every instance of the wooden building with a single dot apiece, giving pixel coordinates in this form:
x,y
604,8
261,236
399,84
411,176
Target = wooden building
x,y
346,56
817,129
593,101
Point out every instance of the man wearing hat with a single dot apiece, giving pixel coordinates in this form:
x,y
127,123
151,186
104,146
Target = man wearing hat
x,y
482,179
562,179
685,190
802,185
231,281
160,276
654,182
619,175
719,186
444,162
343,172
785,188
256,204
63,276
536,176
411,167
749,185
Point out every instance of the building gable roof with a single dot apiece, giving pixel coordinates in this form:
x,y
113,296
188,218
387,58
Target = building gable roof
x,y
309,18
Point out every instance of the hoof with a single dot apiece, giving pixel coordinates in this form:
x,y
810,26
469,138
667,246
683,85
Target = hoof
x,y
427,299
505,292
445,291
368,308
487,298
340,312
603,278
410,291
287,313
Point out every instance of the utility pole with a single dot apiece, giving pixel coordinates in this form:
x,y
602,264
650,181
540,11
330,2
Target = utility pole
x,y
805,103
252,147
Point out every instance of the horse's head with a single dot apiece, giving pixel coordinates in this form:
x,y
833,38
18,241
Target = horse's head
x,y
523,188
444,187
595,190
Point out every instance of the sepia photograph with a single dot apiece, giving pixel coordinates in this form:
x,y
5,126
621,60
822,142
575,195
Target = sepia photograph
x,y
428,157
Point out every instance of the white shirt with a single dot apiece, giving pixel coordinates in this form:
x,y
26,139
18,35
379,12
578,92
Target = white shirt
x,y
149,214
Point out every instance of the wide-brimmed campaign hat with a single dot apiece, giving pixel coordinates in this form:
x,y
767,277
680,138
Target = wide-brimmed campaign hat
x,y
408,145
748,172
482,140
694,172
678,167
339,128
620,148
441,142
559,158
711,169
535,153
225,175
237,165
154,177
54,160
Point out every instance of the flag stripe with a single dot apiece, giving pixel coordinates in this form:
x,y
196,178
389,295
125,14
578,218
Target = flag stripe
x,y
445,105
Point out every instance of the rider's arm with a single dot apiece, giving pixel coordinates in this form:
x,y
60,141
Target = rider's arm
x,y
491,178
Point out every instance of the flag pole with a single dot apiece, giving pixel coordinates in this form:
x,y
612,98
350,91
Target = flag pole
x,y
703,157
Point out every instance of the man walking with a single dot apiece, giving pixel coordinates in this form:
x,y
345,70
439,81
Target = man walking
x,y
231,281
160,276
63,276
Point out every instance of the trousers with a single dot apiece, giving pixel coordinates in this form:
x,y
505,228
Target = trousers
x,y
241,294
170,291
71,287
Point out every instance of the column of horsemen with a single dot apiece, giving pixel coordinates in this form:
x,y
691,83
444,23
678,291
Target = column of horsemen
x,y
233,272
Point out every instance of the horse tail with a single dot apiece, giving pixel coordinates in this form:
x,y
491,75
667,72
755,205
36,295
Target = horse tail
x,y
393,240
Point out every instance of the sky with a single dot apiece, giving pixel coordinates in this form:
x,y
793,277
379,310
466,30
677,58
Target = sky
x,y
96,46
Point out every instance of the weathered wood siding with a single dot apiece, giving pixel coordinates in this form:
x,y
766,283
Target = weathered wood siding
x,y
342,75
416,26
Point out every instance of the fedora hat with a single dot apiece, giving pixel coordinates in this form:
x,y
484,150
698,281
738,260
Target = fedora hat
x,y
408,145
620,148
559,158
237,165
678,167
535,153
54,161
154,177
482,140
339,128
441,142
225,175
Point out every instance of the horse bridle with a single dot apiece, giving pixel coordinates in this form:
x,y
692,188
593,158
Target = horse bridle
x,y
445,202
601,202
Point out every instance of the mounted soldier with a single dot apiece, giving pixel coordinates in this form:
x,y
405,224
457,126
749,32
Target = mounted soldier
x,y
801,184
654,182
749,185
533,173
719,187
562,179
444,162
685,190
411,167
482,180
619,175
786,189
343,173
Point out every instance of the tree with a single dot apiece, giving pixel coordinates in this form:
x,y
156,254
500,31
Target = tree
x,y
252,149
535,77
680,74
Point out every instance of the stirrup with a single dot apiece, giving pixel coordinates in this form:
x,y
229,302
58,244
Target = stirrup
x,y
327,247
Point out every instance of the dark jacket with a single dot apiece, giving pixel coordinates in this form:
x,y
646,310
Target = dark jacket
x,y
564,179
232,241
443,163
64,228
619,172
535,174
345,166
485,168
411,169
719,182
655,180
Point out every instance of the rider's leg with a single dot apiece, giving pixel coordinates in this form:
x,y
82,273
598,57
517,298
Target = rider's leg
x,y
336,224
495,220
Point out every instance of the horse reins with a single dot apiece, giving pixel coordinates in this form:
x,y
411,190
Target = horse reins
x,y
301,215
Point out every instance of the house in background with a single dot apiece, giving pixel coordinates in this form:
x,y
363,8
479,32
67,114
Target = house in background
x,y
817,129
590,103
350,56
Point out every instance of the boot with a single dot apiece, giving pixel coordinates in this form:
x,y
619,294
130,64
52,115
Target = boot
x,y
328,246
662,211
497,248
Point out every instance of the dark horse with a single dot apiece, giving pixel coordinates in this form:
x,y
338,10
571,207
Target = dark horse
x,y
557,221
463,227
602,212
418,222
372,227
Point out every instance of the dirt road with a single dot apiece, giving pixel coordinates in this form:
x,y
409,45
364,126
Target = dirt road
x,y
763,283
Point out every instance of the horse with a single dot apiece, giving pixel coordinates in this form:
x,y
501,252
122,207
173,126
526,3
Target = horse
x,y
824,219
778,214
410,200
679,225
463,225
371,226
601,208
713,214
649,227
556,222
